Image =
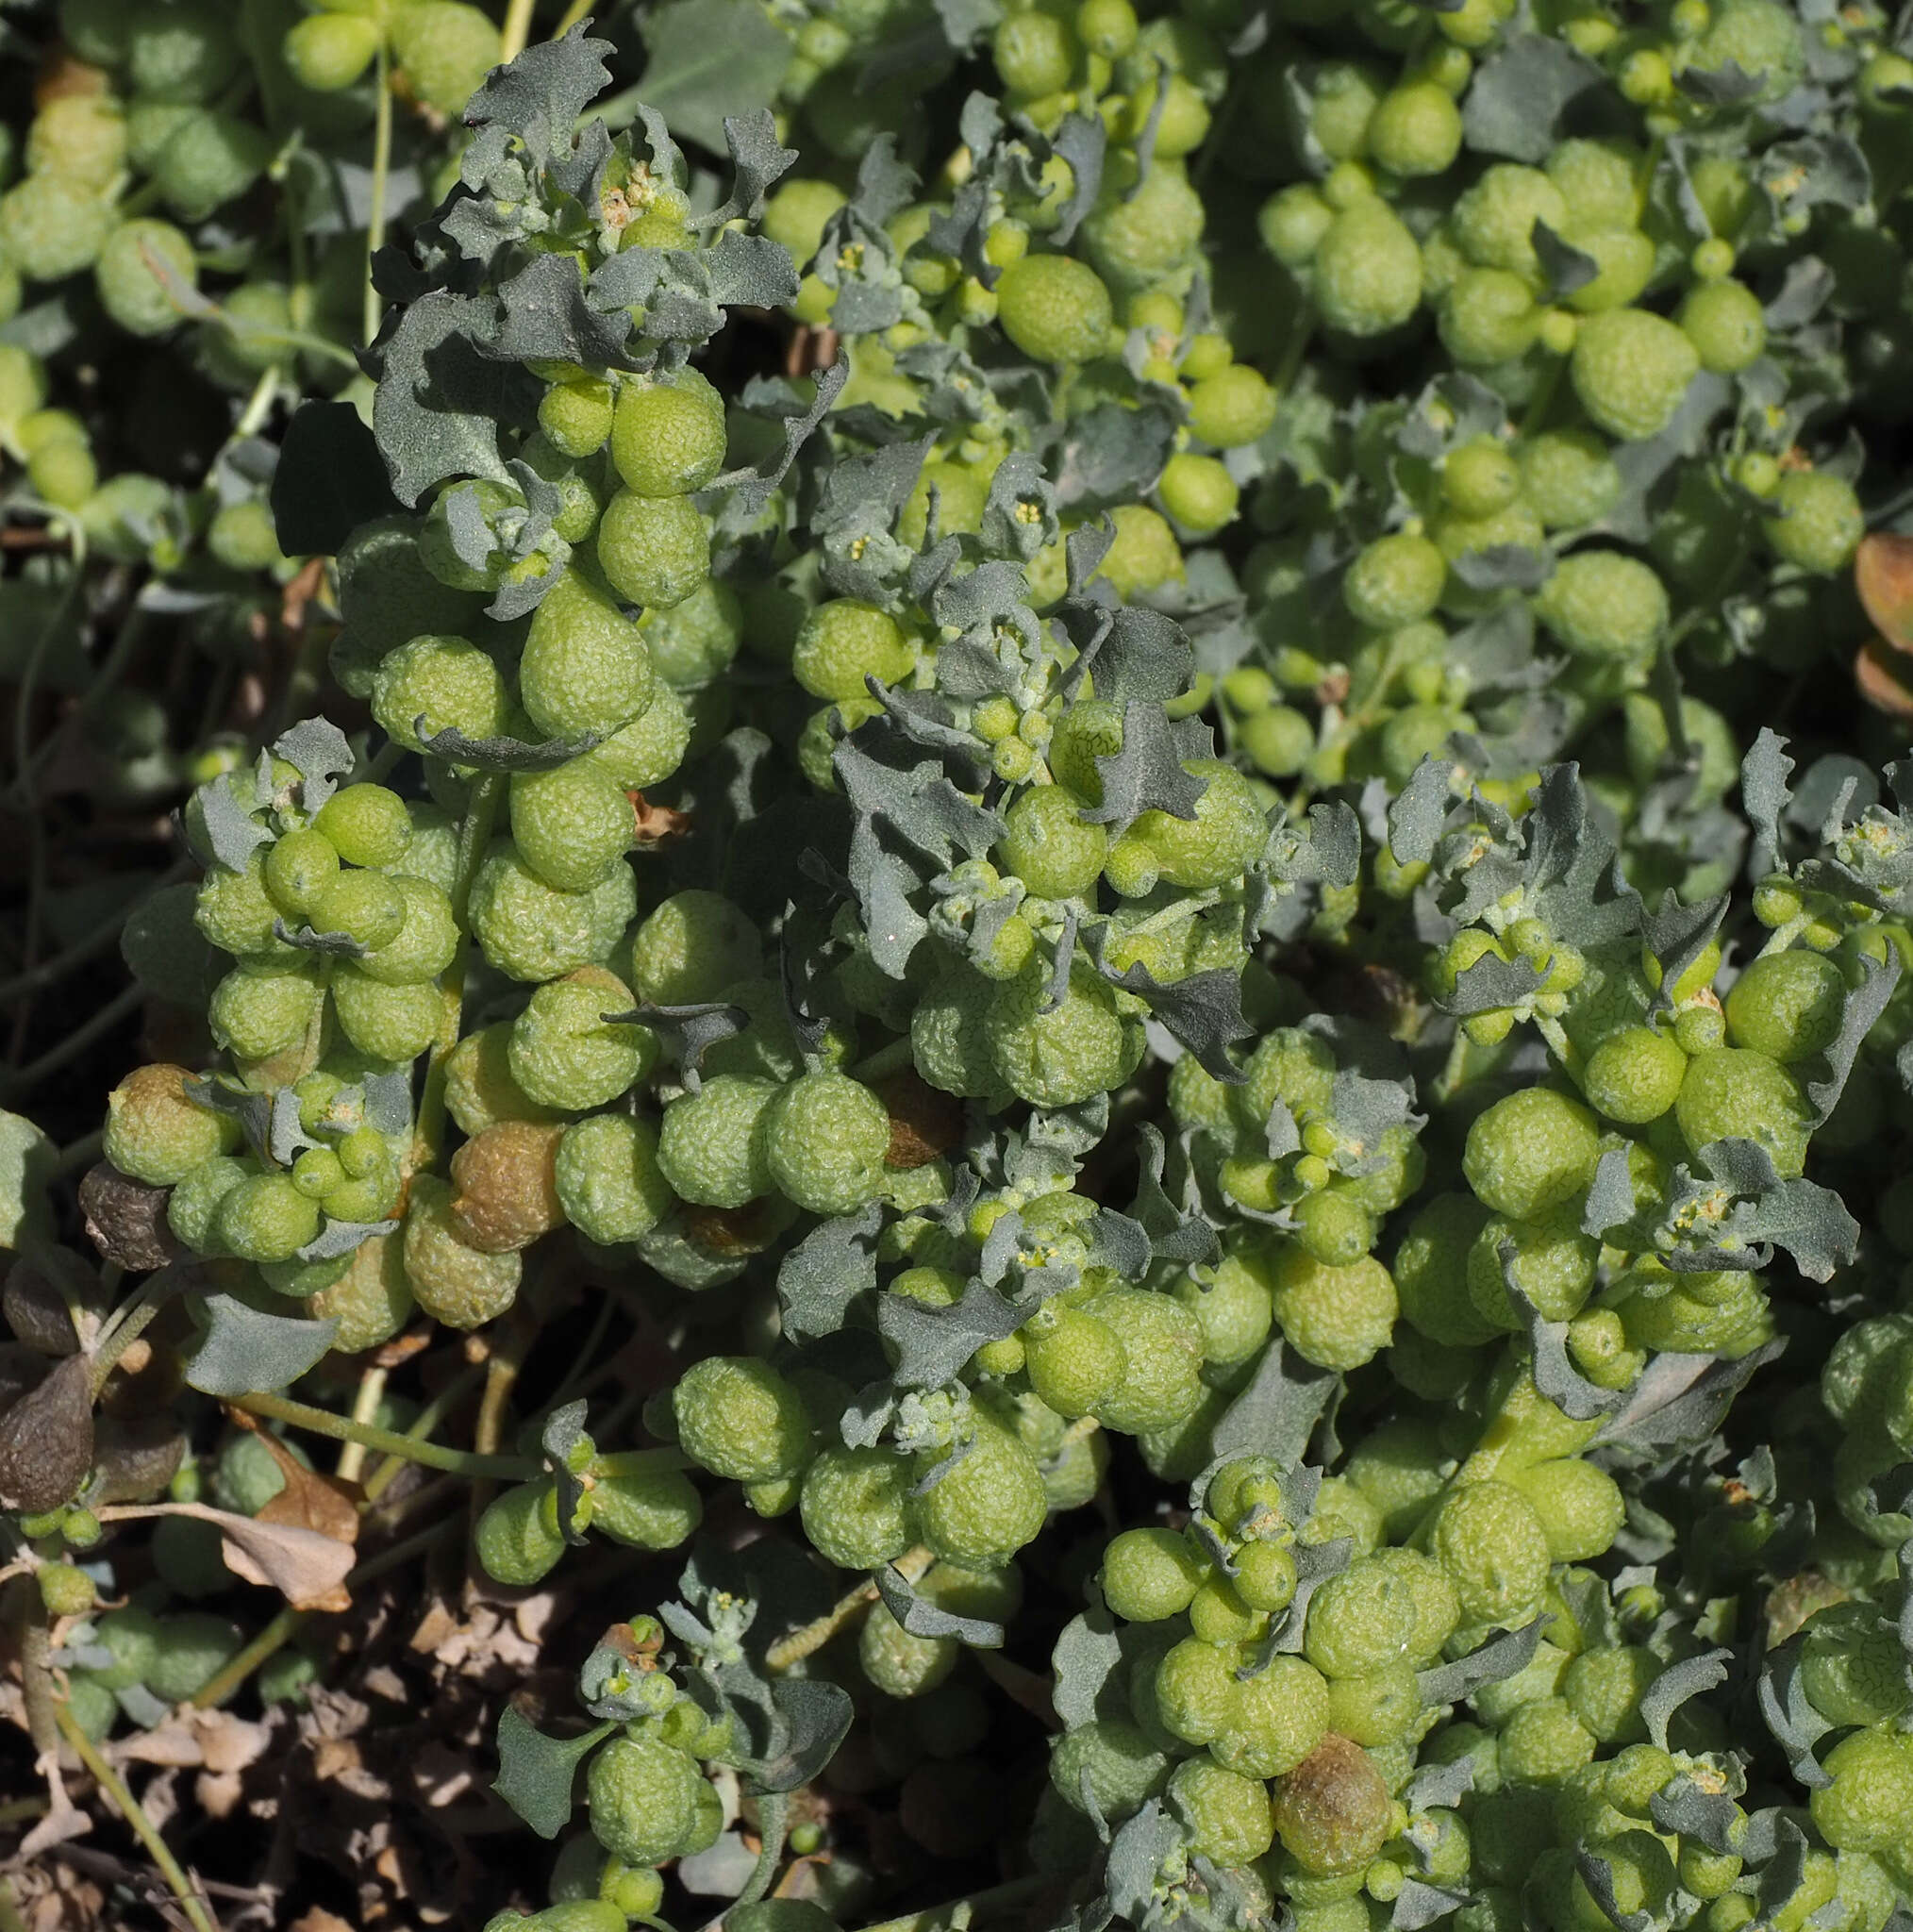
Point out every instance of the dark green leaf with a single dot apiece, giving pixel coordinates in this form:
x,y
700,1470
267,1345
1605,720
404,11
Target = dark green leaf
x,y
545,314
1419,811
1523,97
1147,773
334,945
232,830
1203,1010
1419,1904
1276,1413
711,61
1692,1678
542,94
812,1717
933,1344
826,1272
343,1238
502,754
319,752
1765,793
921,1617
1556,1375
1087,1665
535,1772
1678,935
440,398
1497,1659
244,1352
1680,1401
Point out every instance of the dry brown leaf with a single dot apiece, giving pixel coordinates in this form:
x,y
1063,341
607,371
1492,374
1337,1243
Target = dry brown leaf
x,y
1883,575
192,1739
218,1792
312,1499
308,1570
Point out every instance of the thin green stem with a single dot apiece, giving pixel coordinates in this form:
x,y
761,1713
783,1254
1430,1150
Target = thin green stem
x,y
381,176
259,405
852,1605
364,1408
320,1421
516,30
10,1920
80,1154
423,1423
127,1327
570,18
773,1827
120,654
111,1782
127,1003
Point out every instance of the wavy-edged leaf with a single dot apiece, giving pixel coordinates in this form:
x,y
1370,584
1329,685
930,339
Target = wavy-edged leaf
x,y
244,1352
921,1617
503,754
535,1772
1498,1659
827,1271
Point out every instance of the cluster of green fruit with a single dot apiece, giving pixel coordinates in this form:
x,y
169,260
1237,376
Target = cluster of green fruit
x,y
1026,888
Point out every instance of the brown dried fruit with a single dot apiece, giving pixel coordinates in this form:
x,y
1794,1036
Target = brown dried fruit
x,y
924,1122
457,1284
37,1310
1333,1811
126,1220
1883,575
1881,673
47,1439
506,1188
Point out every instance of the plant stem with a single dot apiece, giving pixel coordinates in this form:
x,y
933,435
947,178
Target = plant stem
x,y
381,172
320,1421
364,1407
127,1327
129,1808
76,1042
773,1827
10,1920
570,18
816,1634
516,30
80,1153
426,1422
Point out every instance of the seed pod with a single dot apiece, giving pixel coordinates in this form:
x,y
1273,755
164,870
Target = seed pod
x,y
506,1186
36,1310
1332,1811
127,1219
47,1439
